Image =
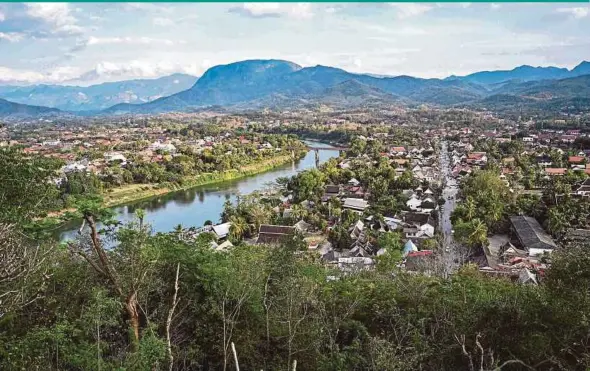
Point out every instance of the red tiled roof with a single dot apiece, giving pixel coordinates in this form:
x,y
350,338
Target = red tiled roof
x,y
476,155
555,171
575,159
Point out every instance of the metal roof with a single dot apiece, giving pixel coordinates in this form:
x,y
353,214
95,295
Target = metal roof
x,y
531,234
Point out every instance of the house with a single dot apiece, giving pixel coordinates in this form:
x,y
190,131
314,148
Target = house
x,y
274,234
331,191
222,230
544,161
351,264
302,226
354,182
114,156
576,159
163,147
398,150
531,235
552,171
477,158
421,225
413,203
74,167
392,223
355,204
428,203
584,188
357,229
421,261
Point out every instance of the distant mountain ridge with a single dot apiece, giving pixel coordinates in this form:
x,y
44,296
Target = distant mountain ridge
x,y
524,73
97,97
240,82
11,109
255,84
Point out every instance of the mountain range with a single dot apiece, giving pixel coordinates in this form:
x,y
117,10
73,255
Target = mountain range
x,y
255,84
97,97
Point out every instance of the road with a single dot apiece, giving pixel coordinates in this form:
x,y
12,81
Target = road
x,y
449,195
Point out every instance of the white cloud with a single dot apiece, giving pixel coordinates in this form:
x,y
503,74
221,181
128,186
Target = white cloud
x,y
111,71
577,12
495,6
11,36
57,15
296,11
16,76
406,10
130,40
161,21
2,17
147,7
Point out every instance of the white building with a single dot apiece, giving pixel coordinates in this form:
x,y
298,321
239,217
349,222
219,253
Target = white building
x,y
164,147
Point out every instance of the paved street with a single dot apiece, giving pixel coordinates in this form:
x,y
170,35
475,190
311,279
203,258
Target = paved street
x,y
449,194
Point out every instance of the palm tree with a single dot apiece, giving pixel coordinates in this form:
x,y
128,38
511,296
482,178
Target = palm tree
x,y
556,222
470,208
258,215
479,233
238,227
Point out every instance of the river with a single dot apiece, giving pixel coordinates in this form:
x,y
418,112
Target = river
x,y
192,207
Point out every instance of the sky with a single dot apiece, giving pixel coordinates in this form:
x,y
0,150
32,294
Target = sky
x,y
88,43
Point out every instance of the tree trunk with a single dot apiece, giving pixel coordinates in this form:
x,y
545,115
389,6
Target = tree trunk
x,y
169,320
133,313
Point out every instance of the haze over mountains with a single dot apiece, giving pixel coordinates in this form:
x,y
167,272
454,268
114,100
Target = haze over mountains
x,y
257,84
97,97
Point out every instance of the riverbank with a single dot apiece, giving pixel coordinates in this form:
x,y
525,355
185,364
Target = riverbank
x,y
197,203
137,192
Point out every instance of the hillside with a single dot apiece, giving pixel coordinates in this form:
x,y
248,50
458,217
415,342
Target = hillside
x,y
10,109
255,80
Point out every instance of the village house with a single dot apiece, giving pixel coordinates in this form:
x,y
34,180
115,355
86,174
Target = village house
x,y
357,205
531,236
274,234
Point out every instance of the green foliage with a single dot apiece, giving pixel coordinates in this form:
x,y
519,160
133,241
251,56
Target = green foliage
x,y
392,243
307,185
487,197
472,233
26,187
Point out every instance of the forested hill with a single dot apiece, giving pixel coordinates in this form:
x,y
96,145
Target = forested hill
x,y
11,109
283,84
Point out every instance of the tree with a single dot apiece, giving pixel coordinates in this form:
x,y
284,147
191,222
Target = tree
x,y
307,185
125,268
258,215
238,228
472,233
23,269
392,243
26,187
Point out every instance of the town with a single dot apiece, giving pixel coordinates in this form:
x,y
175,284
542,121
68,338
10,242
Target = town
x,y
417,188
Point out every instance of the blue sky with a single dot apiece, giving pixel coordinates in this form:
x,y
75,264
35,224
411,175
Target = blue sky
x,y
87,43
